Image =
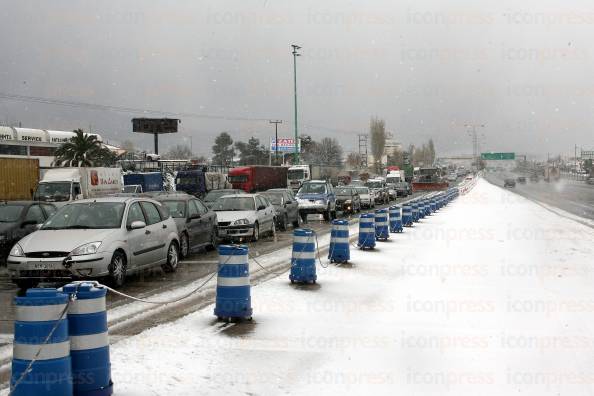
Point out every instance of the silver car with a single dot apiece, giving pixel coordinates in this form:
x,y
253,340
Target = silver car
x,y
94,238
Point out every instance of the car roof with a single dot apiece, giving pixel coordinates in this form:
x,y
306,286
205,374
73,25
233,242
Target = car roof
x,y
239,195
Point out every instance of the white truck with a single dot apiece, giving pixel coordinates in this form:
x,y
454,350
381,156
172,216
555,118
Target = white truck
x,y
63,185
299,174
394,177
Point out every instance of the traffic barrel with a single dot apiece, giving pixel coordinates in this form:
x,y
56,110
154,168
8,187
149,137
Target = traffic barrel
x,y
433,205
38,313
233,300
382,230
427,207
415,211
366,231
89,340
407,218
303,261
395,218
339,251
421,204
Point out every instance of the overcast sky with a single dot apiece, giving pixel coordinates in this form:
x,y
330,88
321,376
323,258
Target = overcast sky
x,y
523,68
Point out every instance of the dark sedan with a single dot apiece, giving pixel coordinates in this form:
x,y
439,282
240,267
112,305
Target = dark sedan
x,y
196,223
286,206
509,182
18,219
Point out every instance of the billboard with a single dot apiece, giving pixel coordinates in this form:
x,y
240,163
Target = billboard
x,y
154,125
498,156
285,145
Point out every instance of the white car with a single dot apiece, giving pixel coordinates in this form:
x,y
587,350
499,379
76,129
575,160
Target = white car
x,y
244,216
452,177
94,238
367,199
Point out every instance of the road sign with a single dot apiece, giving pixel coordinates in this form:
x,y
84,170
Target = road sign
x,y
285,145
498,156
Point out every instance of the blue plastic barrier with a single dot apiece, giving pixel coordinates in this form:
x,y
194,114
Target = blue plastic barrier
x,y
233,300
395,218
407,217
339,251
382,227
366,231
303,262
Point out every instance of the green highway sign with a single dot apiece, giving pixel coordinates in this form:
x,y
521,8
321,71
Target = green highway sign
x,y
498,156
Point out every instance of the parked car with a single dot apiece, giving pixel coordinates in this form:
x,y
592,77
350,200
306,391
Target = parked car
x,y
286,206
317,197
452,177
403,189
366,197
378,187
242,216
348,200
214,195
18,219
521,179
92,238
509,182
196,223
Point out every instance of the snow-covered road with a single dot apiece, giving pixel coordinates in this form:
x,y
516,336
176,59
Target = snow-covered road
x,y
492,295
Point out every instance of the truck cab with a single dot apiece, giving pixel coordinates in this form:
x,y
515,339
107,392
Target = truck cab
x,y
297,175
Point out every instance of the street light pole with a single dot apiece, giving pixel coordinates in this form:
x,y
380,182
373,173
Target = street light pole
x,y
276,122
295,55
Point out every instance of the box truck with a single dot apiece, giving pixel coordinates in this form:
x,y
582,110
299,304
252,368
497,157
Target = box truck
x,y
18,178
258,177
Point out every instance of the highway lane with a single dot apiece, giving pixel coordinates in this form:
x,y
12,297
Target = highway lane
x,y
154,281
573,196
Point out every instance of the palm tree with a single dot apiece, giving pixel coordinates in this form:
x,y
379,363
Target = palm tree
x,y
82,150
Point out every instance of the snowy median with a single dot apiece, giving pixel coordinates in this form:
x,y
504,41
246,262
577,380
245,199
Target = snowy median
x,y
491,295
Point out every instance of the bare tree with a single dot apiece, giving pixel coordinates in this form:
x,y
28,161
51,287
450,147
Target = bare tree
x,y
354,160
180,151
377,130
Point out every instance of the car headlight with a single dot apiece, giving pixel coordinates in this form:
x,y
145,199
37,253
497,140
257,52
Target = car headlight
x,y
241,222
88,248
17,251
348,202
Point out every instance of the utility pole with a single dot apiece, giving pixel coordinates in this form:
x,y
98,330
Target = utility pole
x,y
363,149
275,122
295,55
475,141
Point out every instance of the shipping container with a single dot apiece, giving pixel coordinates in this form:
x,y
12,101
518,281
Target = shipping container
x,y
258,177
150,181
18,178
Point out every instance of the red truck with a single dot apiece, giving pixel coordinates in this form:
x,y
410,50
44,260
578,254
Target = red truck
x,y
258,177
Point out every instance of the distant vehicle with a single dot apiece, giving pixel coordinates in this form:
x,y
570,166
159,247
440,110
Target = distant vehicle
x,y
196,223
244,216
509,182
214,195
552,174
452,177
348,200
104,237
403,189
379,190
317,197
590,180
357,182
150,181
153,157
521,179
192,182
534,178
299,174
18,219
62,185
18,178
286,206
132,189
428,179
366,197
395,176
258,178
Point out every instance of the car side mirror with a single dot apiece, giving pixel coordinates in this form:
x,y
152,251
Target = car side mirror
x,y
28,223
261,207
38,226
194,216
136,225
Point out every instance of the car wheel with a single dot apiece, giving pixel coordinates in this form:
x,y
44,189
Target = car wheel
x,y
273,229
184,245
327,215
283,224
256,235
333,215
297,222
303,216
172,258
117,269
25,284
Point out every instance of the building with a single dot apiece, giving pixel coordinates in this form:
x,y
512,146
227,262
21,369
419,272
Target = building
x,y
33,143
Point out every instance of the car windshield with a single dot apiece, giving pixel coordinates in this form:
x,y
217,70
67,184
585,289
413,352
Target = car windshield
x,y
344,191
296,174
313,188
10,213
363,190
216,194
52,192
374,184
129,189
176,208
275,198
87,215
234,203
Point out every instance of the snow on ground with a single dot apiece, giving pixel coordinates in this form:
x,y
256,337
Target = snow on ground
x,y
492,295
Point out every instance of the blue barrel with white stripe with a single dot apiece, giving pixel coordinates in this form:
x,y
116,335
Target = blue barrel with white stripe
x,y
395,218
339,251
415,211
37,313
366,231
427,207
382,226
303,260
407,219
233,299
89,341
433,205
421,206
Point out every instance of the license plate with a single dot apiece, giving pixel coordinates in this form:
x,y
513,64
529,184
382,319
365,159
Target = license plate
x,y
44,265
